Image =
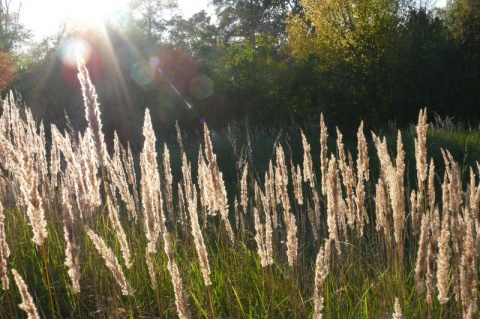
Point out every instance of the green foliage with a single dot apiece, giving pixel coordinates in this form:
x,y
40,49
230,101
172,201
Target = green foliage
x,y
246,19
150,16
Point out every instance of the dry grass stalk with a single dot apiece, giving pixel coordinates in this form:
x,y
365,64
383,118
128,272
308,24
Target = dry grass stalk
x,y
239,220
431,266
417,211
267,208
127,159
468,269
86,195
421,147
71,249
121,236
92,111
297,183
168,181
397,314
474,196
414,211
18,159
422,169
198,238
244,189
150,185
27,304
259,236
281,180
180,299
151,269
393,176
433,209
220,194
292,241
452,199
347,179
431,185
118,179
182,208
443,261
270,193
89,167
268,243
314,214
323,154
4,251
282,198
321,272
362,160
421,264
54,165
111,262
149,188
204,183
452,202
308,174
399,194
5,127
36,213
335,214
363,175
41,163
155,216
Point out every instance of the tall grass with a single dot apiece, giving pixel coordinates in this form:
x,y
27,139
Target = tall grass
x,y
334,235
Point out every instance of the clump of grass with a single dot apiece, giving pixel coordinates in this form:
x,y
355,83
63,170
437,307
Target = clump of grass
x,y
310,235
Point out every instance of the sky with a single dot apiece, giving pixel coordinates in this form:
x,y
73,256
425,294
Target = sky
x,y
43,17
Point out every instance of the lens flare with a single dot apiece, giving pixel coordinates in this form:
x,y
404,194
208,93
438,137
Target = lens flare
x,y
143,73
71,47
166,75
154,61
201,87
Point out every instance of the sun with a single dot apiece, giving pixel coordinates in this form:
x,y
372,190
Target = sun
x,y
92,13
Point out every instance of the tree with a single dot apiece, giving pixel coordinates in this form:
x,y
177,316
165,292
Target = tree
x,y
150,16
12,35
7,69
12,32
463,17
245,19
358,32
196,35
352,42
422,66
463,22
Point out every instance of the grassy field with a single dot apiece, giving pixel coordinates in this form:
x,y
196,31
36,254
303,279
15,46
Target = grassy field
x,y
239,224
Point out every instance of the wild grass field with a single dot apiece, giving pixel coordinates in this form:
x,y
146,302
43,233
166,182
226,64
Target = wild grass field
x,y
385,228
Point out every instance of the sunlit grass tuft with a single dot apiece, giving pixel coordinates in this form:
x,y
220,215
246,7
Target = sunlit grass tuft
x,y
297,227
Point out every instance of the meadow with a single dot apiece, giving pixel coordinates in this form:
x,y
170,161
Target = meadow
x,y
297,224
